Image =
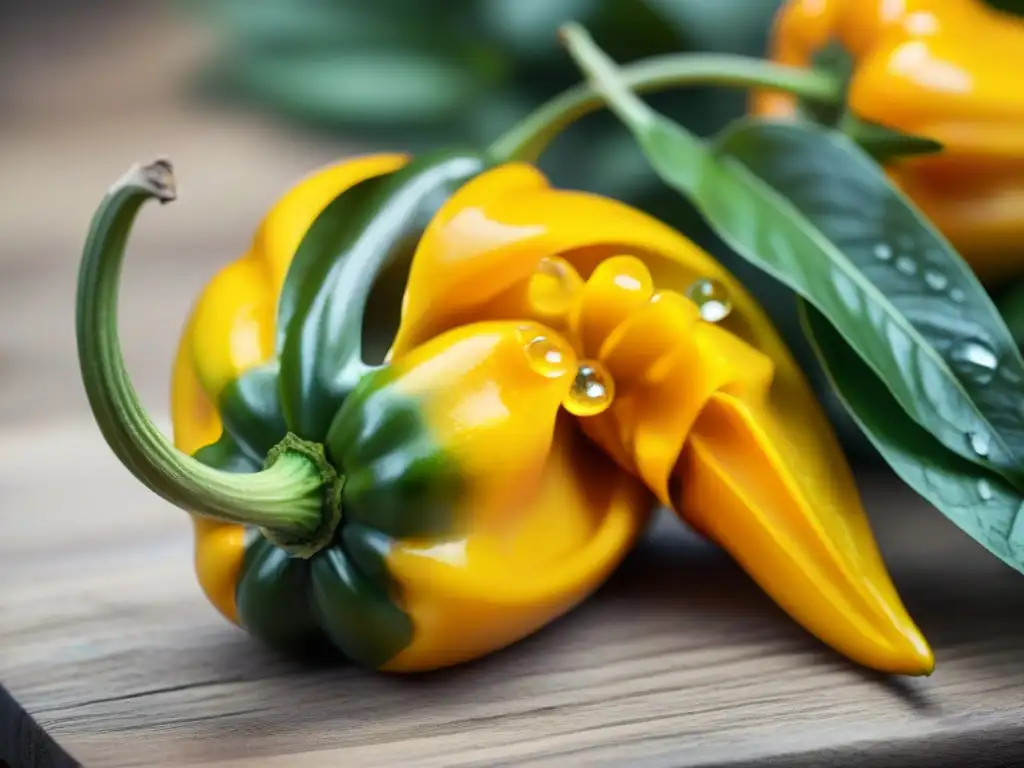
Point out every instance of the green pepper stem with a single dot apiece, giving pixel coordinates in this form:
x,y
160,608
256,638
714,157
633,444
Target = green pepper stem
x,y
295,499
528,139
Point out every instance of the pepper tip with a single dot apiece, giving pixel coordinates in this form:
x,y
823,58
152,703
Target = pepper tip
x,y
909,655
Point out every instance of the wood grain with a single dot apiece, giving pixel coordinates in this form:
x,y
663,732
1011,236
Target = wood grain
x,y
107,642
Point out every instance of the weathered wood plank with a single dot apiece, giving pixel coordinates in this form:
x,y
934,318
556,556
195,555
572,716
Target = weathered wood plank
x,y
118,652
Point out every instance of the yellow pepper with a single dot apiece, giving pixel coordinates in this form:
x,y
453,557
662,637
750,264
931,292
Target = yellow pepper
x,y
553,375
946,70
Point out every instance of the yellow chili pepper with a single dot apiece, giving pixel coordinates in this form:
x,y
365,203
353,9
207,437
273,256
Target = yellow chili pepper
x,y
445,503
716,418
946,70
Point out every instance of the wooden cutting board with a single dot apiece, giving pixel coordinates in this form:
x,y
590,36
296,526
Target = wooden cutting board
x,y
107,642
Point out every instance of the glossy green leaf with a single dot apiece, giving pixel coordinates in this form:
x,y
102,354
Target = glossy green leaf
x,y
891,284
804,204
980,502
884,143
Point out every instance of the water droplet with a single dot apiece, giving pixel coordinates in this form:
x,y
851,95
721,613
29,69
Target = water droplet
x,y
935,280
712,299
553,287
549,357
956,295
974,359
984,490
883,252
906,265
592,390
979,443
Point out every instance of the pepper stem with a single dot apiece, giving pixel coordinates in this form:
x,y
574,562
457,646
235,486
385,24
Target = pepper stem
x,y
295,499
527,140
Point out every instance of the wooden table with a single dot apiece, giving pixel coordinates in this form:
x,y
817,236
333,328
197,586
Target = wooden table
x,y
106,640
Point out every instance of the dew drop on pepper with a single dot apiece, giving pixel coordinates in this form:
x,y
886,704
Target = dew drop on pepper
x,y
592,392
553,287
712,299
549,357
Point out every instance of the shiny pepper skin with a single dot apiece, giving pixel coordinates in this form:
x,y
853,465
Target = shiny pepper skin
x,y
478,509
947,70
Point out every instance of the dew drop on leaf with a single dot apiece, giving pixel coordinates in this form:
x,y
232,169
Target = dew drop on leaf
x,y
979,443
956,295
712,299
906,265
975,360
883,252
592,390
935,280
984,490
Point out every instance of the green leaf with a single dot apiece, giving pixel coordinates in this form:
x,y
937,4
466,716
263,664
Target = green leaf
x,y
296,23
884,143
363,86
304,24
891,284
807,206
980,502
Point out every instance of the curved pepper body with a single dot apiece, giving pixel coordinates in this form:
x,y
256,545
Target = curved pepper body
x,y
947,70
473,510
717,419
